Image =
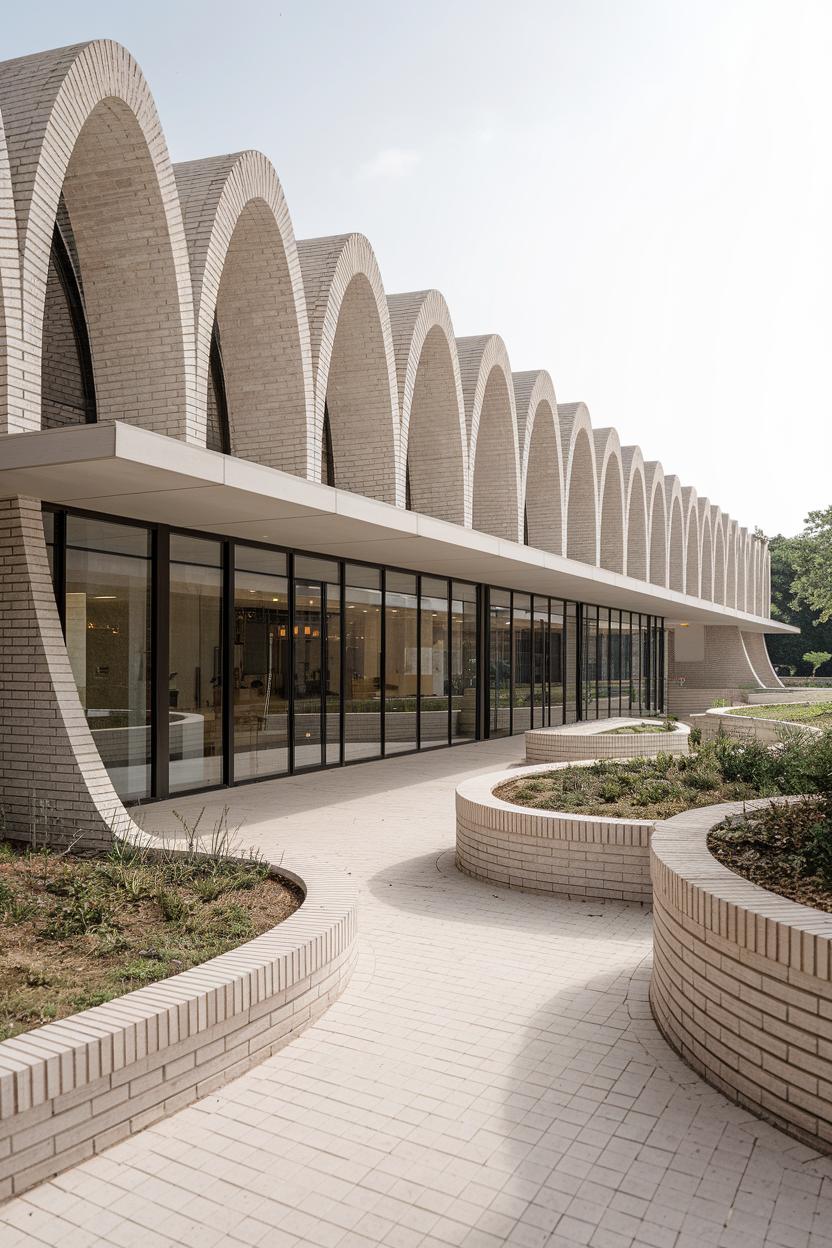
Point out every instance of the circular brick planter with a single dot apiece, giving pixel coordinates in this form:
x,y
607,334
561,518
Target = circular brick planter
x,y
594,740
73,1087
722,721
742,980
544,851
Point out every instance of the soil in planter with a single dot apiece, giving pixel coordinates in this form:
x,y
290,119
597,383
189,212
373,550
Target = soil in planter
x,y
786,848
723,770
77,931
637,729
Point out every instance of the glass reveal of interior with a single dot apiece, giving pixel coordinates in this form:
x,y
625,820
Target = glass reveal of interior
x,y
107,624
202,661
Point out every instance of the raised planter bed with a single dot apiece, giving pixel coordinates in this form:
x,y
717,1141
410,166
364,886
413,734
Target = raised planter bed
x,y
591,740
74,1087
742,980
549,852
723,720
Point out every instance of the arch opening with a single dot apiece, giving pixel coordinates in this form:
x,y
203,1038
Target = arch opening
x,y
435,463
217,429
358,398
692,558
658,540
543,517
637,530
67,380
612,518
676,563
256,321
494,483
128,273
581,516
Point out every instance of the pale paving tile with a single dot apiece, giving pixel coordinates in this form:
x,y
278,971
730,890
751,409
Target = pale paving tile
x,y
491,1075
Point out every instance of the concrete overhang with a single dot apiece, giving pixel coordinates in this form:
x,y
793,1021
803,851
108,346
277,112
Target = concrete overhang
x,y
126,471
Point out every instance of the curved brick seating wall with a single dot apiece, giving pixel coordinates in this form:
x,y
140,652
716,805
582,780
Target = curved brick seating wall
x,y
595,740
742,980
74,1087
547,852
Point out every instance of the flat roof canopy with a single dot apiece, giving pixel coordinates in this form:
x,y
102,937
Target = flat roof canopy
x,y
126,471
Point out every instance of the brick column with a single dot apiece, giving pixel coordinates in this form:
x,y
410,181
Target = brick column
x,y
52,780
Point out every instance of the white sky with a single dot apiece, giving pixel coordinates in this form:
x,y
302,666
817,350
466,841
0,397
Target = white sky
x,y
637,194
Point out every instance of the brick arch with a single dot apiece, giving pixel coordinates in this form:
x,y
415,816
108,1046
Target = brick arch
x,y
636,511
353,364
612,534
675,535
692,542
743,598
433,448
706,546
81,120
731,554
580,480
541,459
491,420
717,521
246,274
12,403
657,511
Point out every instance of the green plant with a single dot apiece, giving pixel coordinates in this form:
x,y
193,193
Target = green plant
x,y
816,659
717,702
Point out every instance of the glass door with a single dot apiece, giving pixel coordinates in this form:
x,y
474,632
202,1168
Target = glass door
x,y
309,682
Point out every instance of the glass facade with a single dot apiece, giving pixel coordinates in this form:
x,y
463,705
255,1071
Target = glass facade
x,y
202,661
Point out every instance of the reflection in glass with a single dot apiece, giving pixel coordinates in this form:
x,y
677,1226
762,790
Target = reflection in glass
x,y
522,662
196,693
362,660
540,629
332,699
570,657
555,686
499,663
463,662
108,622
433,719
401,663
261,650
307,635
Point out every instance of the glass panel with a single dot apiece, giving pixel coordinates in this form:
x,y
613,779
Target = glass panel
x,y
362,674
554,688
463,662
615,663
603,663
112,539
317,569
635,679
196,723
626,662
499,663
590,673
307,634
333,674
108,622
256,559
522,640
540,630
401,663
433,718
261,665
570,658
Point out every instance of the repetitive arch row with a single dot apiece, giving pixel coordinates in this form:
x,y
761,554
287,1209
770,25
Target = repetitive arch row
x,y
207,321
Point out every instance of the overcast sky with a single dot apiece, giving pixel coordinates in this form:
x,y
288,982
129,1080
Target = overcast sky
x,y
636,194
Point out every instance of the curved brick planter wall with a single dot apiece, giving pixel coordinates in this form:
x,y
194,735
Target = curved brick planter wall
x,y
719,720
583,741
742,980
547,852
76,1086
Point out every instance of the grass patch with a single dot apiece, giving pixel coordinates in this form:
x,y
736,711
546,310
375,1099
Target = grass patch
x,y
784,848
76,931
723,770
815,714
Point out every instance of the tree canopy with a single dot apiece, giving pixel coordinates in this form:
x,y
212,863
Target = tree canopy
x,y
801,594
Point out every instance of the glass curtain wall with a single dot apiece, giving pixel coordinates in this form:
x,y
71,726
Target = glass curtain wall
x,y
108,623
434,669
522,686
463,691
401,668
196,727
260,669
499,663
362,659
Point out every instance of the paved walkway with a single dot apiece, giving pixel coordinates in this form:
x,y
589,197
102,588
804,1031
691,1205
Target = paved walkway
x,y
491,1076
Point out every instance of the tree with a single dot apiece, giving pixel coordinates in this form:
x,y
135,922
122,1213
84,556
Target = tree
x,y
786,651
811,559
816,659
